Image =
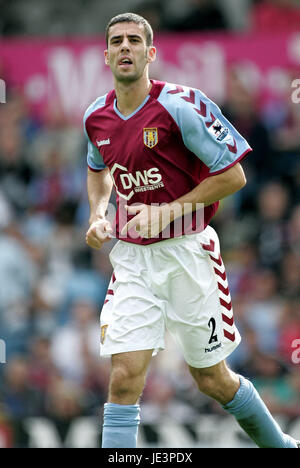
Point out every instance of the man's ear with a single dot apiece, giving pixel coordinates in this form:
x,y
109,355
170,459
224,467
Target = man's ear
x,y
151,54
106,57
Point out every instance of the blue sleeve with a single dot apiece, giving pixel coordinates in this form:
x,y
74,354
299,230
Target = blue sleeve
x,y
204,129
94,157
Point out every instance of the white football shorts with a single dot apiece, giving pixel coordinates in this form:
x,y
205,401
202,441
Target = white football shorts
x,y
177,284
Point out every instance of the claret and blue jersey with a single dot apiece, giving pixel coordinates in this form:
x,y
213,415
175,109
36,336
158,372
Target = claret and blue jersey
x,y
174,140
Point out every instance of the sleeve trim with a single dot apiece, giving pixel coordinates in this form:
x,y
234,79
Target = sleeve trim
x,y
95,170
232,164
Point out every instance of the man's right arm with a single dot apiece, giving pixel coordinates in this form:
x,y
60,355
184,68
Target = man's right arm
x,y
99,187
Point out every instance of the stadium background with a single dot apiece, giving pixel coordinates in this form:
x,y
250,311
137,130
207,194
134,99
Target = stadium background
x,y
245,55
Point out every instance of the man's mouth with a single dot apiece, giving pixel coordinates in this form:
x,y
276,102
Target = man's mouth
x,y
125,62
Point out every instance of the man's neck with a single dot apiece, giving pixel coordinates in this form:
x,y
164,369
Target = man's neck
x,y
130,96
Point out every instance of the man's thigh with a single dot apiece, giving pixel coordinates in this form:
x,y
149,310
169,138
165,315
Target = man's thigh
x,y
132,316
199,314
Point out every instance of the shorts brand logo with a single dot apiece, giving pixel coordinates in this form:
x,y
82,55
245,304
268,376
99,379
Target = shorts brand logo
x,y
213,348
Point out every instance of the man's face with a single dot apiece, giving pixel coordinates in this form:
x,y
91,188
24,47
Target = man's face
x,y
127,53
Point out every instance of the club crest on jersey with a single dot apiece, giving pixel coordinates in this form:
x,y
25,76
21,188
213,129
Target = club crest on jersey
x,y
150,137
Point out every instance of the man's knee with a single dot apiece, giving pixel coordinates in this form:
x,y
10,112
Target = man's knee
x,y
128,376
218,382
206,383
124,380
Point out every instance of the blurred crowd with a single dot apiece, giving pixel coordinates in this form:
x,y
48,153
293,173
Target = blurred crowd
x,y
52,286
69,18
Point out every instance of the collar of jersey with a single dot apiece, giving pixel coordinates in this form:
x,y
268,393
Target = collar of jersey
x,y
133,113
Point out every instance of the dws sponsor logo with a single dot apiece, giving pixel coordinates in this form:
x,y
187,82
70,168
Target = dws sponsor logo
x,y
138,181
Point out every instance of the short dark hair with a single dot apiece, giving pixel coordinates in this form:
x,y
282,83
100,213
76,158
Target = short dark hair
x,y
131,18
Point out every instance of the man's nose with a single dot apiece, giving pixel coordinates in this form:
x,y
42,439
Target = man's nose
x,y
125,44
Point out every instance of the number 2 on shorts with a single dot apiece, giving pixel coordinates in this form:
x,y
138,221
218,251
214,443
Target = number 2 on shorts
x,y
212,325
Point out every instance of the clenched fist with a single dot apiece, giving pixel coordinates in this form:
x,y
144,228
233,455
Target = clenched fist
x,y
98,233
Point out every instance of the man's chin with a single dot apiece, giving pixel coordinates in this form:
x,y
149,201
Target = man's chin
x,y
122,78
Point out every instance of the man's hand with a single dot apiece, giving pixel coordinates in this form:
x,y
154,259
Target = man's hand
x,y
98,233
149,220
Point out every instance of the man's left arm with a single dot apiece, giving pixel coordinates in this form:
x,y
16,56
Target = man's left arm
x,y
151,220
210,190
